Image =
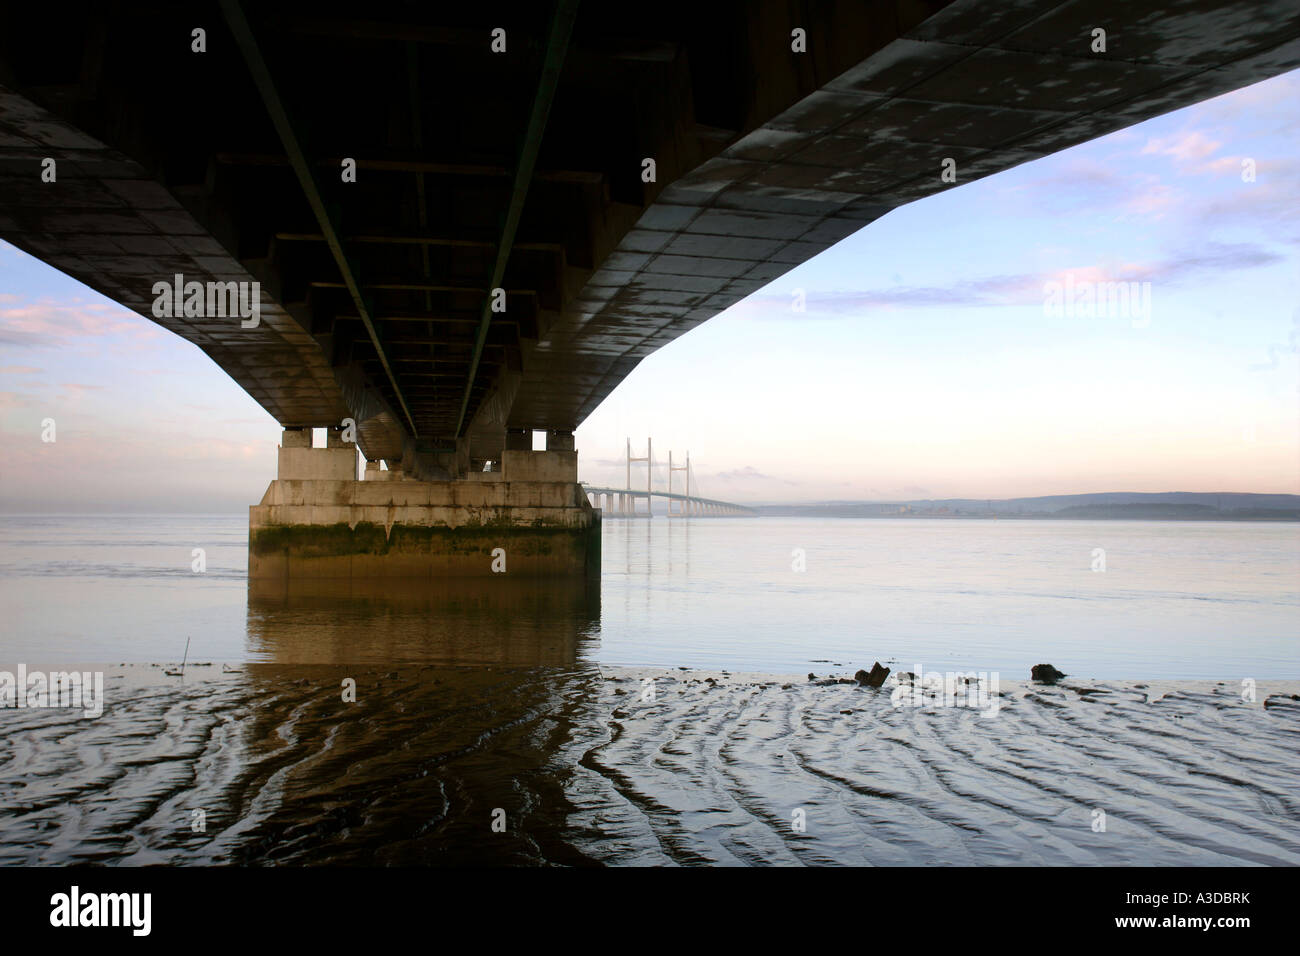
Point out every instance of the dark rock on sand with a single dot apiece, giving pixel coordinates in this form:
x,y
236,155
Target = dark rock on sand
x,y
1045,673
876,678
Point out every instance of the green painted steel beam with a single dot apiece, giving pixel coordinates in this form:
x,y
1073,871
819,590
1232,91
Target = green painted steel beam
x,y
243,34
557,45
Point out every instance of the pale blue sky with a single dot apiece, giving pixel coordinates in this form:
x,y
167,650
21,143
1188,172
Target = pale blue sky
x,y
925,364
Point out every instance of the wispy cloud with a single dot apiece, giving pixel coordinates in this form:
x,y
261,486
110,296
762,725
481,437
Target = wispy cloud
x,y
1019,288
750,473
49,323
1185,147
17,400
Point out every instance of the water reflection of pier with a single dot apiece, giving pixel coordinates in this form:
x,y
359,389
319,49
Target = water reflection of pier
x,y
499,620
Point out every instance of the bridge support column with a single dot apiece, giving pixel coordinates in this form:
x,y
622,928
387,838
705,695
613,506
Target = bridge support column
x,y
298,461
559,439
316,520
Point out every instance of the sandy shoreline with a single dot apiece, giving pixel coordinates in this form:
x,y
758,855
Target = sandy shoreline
x,y
647,766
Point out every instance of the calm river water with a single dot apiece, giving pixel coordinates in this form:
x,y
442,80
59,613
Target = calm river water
x,y
644,720
1176,599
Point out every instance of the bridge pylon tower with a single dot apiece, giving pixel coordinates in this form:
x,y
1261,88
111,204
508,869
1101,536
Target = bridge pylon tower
x,y
685,506
630,498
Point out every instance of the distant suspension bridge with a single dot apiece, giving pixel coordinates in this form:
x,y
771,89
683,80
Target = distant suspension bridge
x,y
622,502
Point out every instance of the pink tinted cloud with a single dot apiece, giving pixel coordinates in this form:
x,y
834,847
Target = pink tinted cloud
x,y
1184,147
49,322
1209,258
1153,200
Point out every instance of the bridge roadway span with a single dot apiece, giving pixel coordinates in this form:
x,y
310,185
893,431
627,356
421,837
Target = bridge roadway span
x,y
519,161
621,502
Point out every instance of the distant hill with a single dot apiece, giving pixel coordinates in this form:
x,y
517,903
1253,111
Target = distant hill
x,y
1160,506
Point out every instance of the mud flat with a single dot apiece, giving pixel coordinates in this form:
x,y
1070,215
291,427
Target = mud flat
x,y
624,766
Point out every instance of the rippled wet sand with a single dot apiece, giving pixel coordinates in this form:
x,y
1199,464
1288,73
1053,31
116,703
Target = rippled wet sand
x,y
588,772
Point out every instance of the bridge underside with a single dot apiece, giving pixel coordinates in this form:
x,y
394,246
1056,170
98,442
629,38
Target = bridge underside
x,y
470,221
523,170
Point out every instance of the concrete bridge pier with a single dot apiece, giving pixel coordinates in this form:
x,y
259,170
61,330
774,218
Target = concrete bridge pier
x,y
530,517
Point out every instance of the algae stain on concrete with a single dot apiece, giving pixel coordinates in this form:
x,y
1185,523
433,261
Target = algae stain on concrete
x,y
318,541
